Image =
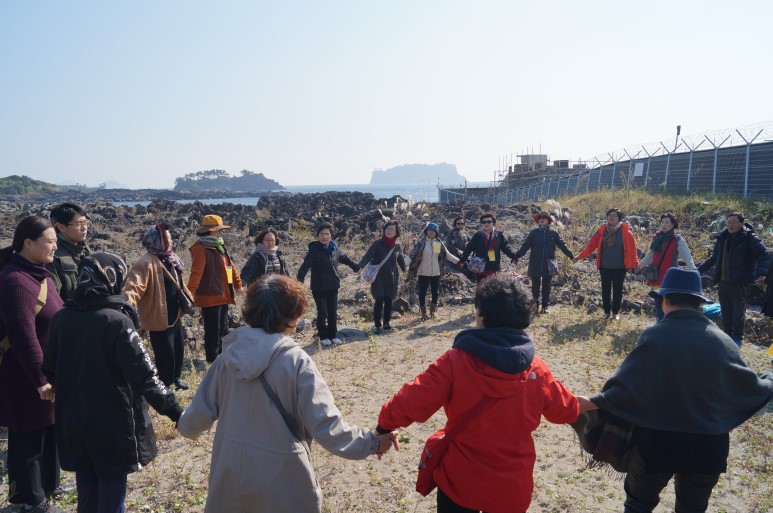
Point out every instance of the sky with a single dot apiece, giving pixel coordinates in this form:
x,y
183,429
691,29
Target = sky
x,y
323,92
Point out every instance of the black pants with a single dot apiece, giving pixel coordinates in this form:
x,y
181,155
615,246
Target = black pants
x,y
732,300
327,313
642,488
168,349
446,505
612,281
99,494
382,303
215,328
431,282
33,465
543,282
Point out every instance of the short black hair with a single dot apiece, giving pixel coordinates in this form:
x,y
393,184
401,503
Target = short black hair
x,y
263,234
488,214
737,215
395,224
325,226
671,217
503,303
456,220
685,301
65,213
615,211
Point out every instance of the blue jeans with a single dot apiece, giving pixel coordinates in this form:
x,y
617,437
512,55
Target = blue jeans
x,y
97,494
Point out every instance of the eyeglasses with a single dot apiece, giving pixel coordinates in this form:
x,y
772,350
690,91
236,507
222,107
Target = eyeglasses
x,y
80,224
459,224
487,221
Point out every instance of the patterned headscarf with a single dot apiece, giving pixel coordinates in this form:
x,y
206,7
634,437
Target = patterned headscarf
x,y
155,242
101,277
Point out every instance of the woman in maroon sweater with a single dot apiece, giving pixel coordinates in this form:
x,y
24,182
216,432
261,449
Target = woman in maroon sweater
x,y
26,406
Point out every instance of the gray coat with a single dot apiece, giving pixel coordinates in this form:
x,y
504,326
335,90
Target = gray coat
x,y
388,276
534,243
257,464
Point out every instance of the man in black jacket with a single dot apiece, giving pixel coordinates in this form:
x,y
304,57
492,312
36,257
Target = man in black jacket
x,y
739,258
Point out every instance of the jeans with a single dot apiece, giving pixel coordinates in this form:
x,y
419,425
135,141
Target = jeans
x,y
168,347
543,282
33,465
327,312
99,494
215,328
642,488
432,282
732,300
612,281
382,303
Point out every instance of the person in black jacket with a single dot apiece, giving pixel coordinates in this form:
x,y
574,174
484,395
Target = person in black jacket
x,y
322,259
266,259
739,258
542,242
486,248
102,377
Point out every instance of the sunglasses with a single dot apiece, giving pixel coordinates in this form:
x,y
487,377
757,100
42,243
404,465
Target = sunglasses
x,y
487,221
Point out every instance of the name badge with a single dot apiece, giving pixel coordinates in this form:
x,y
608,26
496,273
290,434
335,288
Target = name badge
x,y
436,247
229,274
492,256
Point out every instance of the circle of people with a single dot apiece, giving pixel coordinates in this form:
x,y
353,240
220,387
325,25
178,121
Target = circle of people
x,y
81,377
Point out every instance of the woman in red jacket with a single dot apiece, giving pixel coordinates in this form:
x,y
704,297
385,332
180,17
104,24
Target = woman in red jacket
x,y
488,465
616,254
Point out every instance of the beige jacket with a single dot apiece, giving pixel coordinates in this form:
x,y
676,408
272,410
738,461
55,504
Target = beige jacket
x,y
145,290
257,465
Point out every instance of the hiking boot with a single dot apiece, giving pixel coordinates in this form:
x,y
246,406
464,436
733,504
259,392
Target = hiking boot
x,y
423,309
387,327
377,330
432,309
178,384
544,310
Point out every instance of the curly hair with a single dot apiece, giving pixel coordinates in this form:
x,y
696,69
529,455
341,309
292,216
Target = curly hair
x,y
503,303
393,223
273,302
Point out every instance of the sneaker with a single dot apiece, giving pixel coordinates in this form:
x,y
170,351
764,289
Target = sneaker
x,y
337,341
616,317
544,310
325,342
377,330
179,385
43,507
387,327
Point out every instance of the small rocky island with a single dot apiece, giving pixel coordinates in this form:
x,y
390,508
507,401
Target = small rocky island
x,y
411,173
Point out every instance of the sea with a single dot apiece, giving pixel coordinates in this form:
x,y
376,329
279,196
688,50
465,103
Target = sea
x,y
413,192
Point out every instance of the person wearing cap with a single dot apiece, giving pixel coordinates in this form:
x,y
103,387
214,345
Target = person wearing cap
x,y
739,258
72,229
542,242
214,281
616,254
427,260
683,387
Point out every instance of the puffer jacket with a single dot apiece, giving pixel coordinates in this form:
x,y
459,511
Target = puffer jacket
x,y
324,267
257,464
630,256
64,268
208,280
489,464
416,258
749,257
256,267
103,378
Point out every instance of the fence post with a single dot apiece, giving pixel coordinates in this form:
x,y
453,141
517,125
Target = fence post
x,y
746,171
668,165
689,166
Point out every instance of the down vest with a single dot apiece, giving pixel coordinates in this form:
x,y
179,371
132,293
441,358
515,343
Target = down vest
x,y
208,280
748,256
103,376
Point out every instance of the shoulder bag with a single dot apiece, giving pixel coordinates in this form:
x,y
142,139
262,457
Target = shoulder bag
x,y
370,272
652,271
292,425
438,443
5,344
184,300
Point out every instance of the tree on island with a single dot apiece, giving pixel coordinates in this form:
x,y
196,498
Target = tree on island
x,y
220,180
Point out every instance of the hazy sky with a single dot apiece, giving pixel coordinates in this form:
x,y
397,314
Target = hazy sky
x,y
323,92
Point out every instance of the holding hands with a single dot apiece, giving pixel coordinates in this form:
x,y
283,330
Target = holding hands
x,y
387,441
575,260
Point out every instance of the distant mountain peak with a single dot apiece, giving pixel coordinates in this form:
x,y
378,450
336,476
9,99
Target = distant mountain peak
x,y
412,173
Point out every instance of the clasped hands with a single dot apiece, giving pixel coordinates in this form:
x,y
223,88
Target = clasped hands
x,y
386,442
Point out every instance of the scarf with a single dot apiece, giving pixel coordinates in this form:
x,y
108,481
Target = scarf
x,y
332,246
610,235
155,242
390,243
660,239
101,277
263,250
213,242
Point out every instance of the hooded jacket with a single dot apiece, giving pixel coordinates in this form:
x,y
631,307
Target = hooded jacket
x,y
416,259
748,256
103,378
257,464
489,465
324,267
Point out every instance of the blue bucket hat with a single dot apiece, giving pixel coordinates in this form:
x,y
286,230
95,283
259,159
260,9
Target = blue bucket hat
x,y
681,281
433,227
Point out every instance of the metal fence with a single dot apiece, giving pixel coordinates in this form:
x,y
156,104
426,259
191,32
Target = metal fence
x,y
719,167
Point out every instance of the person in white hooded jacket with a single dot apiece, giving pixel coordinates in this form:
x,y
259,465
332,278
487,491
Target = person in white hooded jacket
x,y
261,457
